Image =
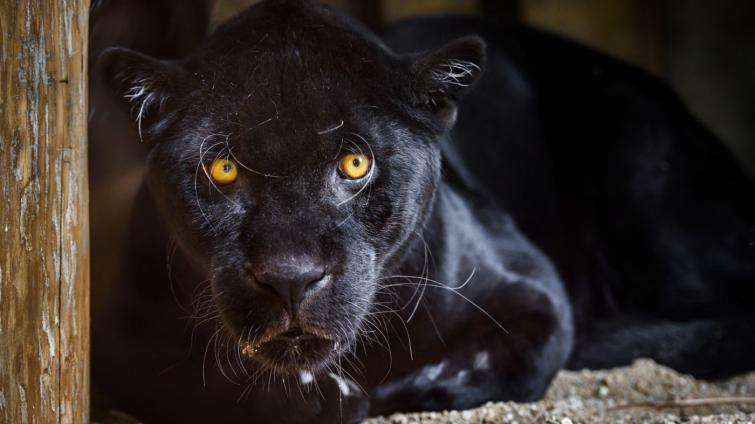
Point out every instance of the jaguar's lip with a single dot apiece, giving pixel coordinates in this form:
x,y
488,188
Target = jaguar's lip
x,y
297,334
292,351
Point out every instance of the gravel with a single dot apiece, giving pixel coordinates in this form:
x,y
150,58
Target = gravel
x,y
642,393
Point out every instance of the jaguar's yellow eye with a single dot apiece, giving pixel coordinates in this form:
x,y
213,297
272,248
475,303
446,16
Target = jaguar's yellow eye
x,y
223,171
354,166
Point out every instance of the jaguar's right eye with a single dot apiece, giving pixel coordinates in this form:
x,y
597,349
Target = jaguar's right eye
x,y
223,171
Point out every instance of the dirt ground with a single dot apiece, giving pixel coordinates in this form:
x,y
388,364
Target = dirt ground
x,y
642,393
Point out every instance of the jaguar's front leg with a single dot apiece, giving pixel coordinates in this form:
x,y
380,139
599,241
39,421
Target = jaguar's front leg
x,y
485,362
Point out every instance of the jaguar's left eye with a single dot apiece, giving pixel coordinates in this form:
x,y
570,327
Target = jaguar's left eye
x,y
354,166
223,171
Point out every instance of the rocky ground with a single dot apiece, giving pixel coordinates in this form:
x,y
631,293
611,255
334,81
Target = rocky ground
x,y
642,393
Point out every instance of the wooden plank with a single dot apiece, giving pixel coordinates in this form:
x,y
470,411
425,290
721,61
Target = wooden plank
x,y
395,10
366,11
44,239
223,10
628,29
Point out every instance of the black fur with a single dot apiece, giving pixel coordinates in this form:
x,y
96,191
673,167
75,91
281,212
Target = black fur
x,y
418,283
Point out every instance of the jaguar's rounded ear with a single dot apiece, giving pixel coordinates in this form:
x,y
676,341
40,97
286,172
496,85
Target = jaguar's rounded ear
x,y
145,85
442,77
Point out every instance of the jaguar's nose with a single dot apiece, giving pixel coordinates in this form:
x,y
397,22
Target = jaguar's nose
x,y
292,278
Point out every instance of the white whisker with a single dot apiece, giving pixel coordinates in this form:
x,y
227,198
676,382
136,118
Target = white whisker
x,y
329,130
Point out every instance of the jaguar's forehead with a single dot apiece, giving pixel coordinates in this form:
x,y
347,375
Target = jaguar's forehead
x,y
293,71
294,50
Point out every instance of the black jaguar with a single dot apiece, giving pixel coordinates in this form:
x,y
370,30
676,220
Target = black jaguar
x,y
438,218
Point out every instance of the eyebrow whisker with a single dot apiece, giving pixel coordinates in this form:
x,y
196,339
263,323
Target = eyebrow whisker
x,y
241,164
329,130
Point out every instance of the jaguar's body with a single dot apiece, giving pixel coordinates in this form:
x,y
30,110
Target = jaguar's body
x,y
567,212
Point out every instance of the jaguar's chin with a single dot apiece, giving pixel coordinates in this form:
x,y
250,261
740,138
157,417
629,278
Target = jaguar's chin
x,y
293,351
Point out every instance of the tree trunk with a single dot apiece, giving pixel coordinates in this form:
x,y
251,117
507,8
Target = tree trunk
x,y
44,233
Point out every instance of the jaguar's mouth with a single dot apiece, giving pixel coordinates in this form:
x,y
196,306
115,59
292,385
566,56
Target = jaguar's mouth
x,y
292,351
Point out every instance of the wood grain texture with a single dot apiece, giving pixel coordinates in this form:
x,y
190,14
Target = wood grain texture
x,y
44,238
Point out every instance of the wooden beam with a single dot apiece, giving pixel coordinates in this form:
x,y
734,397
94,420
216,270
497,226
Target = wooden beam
x,y
44,234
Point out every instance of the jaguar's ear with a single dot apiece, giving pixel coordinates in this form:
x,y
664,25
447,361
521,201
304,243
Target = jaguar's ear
x,y
443,76
147,86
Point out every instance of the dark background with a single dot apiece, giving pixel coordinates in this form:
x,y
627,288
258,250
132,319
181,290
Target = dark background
x,y
705,49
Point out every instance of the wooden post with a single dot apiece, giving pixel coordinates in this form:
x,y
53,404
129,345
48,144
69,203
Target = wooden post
x,y
44,232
